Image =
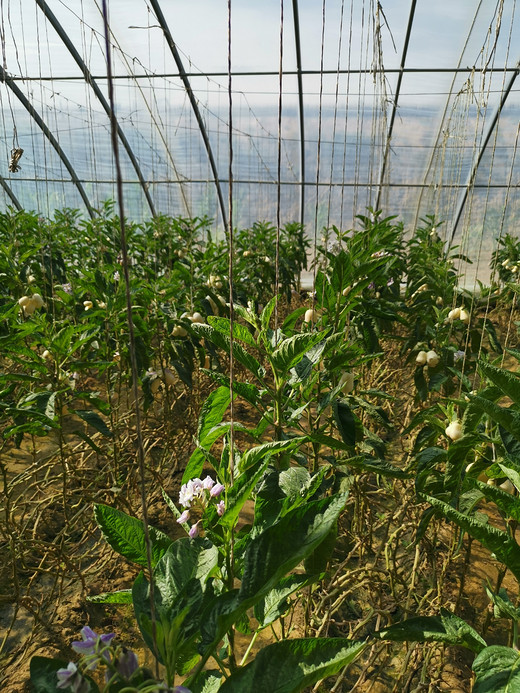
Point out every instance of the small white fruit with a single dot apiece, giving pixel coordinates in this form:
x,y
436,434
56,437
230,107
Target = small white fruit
x,y
347,382
507,486
29,307
464,316
47,355
213,305
345,291
432,359
454,314
102,305
31,279
25,300
421,358
179,331
168,376
196,317
155,385
37,300
311,315
439,301
88,305
247,253
454,430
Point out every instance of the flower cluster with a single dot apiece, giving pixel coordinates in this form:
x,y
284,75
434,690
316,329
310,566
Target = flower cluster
x,y
197,494
121,664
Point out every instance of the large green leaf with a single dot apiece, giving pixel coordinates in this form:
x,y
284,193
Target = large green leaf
x,y
290,666
447,628
240,332
497,670
268,558
291,350
507,381
239,353
508,503
508,418
254,455
179,586
498,542
275,603
95,421
126,535
348,424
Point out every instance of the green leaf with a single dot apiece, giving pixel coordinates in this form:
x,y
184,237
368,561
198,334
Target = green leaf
x,y
265,317
495,540
290,666
240,332
291,350
126,535
239,353
346,421
268,558
275,603
180,579
212,412
374,465
207,682
447,628
508,503
247,391
503,606
118,597
254,455
497,670
95,421
508,418
507,381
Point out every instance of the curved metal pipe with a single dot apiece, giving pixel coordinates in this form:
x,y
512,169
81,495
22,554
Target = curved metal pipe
x,y
97,91
193,101
396,99
297,42
4,77
473,172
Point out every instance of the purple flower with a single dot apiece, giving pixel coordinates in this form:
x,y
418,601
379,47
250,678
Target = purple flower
x,y
194,531
126,663
221,508
184,517
117,276
93,644
216,490
72,678
458,355
67,288
208,483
